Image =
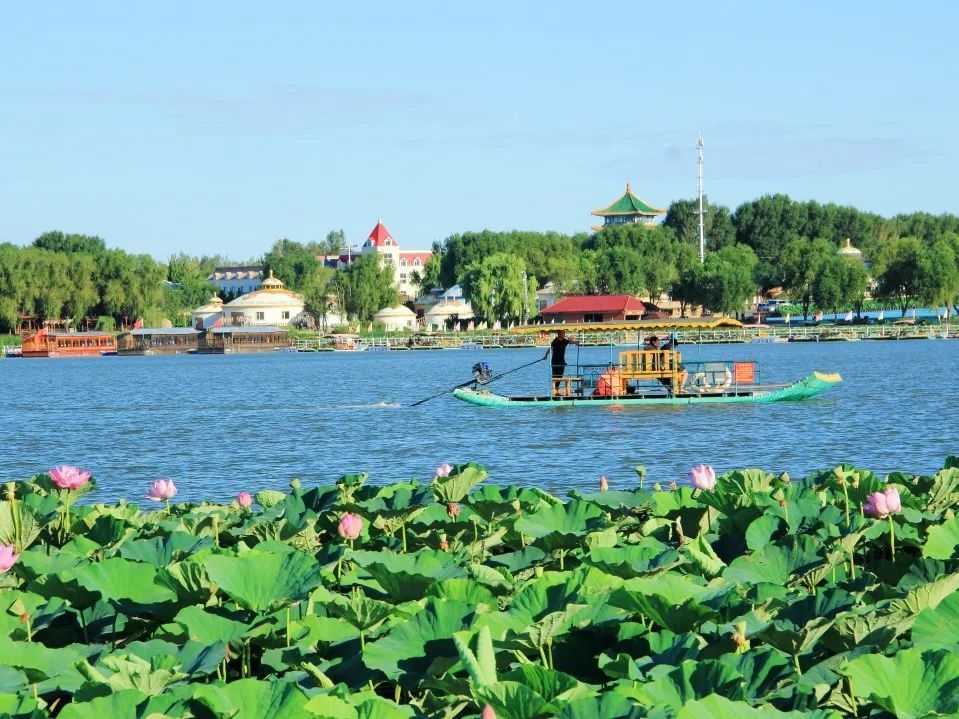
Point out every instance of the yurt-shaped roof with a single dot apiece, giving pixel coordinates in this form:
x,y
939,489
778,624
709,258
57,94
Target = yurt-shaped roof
x,y
399,312
440,311
214,305
271,294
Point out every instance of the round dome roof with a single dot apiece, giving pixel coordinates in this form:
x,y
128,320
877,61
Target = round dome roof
x,y
445,309
849,250
400,311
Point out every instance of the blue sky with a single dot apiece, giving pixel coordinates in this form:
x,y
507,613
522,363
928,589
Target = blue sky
x,y
220,127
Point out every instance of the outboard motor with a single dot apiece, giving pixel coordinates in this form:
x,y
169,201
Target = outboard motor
x,y
482,373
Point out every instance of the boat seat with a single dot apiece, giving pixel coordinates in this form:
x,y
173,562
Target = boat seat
x,y
567,386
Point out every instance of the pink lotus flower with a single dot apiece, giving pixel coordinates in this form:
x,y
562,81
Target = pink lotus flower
x,y
162,489
7,557
245,499
703,477
444,470
69,477
488,713
350,526
603,483
882,504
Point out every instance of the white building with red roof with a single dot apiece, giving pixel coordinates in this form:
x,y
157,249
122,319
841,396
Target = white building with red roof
x,y
404,262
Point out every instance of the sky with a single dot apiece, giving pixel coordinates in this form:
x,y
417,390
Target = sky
x,y
221,127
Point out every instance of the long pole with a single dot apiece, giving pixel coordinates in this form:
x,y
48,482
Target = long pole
x,y
463,384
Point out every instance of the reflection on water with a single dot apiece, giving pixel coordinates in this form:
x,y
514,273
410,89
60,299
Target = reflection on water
x,y
219,425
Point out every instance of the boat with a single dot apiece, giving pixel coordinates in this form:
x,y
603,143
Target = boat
x,y
47,343
347,342
655,376
143,341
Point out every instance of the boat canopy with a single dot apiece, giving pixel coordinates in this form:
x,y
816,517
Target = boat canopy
x,y
677,325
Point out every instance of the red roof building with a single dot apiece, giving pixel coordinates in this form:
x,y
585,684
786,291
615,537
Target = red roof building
x,y
594,308
403,262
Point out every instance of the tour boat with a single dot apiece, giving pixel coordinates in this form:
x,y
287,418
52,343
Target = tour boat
x,y
46,343
652,376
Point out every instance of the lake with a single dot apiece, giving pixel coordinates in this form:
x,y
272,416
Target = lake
x,y
217,425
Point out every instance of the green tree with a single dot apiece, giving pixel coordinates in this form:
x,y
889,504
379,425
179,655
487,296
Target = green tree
x,y
317,291
801,263
900,272
365,287
718,230
494,288
291,262
728,279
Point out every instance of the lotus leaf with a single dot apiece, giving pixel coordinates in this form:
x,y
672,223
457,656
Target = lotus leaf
x,y
481,665
715,706
455,487
775,563
21,533
498,578
944,493
512,700
258,580
648,556
370,706
913,683
553,686
491,501
329,706
763,671
398,502
465,590
761,530
689,681
943,538
423,645
561,526
704,557
116,578
123,704
408,576
162,550
521,559
11,680
267,498
669,649
938,626
360,611
128,671
189,580
670,600
253,699
212,624
53,668
607,706
195,659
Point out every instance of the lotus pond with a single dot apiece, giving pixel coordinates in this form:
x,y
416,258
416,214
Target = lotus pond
x,y
755,594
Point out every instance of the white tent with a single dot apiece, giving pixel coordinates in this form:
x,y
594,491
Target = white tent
x,y
396,318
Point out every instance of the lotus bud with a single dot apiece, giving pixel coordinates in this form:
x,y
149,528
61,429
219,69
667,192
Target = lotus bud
x,y
673,486
703,477
893,502
453,510
855,481
488,713
350,526
739,638
875,505
245,499
517,507
11,491
162,489
7,557
603,483
658,487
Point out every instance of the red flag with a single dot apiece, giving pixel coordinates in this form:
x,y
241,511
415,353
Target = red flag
x,y
138,324
219,322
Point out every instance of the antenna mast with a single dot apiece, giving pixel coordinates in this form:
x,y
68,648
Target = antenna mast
x,y
701,212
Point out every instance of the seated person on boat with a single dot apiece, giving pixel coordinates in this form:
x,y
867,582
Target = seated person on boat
x,y
609,383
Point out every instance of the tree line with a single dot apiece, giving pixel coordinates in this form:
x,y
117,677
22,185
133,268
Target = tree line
x,y
774,241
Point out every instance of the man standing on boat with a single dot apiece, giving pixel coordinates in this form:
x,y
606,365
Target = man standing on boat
x,y
558,348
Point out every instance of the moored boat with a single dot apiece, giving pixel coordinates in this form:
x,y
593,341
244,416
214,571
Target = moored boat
x,y
46,343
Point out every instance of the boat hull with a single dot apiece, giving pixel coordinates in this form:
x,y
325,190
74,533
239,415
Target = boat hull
x,y
811,386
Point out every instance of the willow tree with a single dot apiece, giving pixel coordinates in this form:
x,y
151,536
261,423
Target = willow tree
x,y
496,289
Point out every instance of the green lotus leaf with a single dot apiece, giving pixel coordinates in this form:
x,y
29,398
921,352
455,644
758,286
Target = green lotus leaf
x,y
938,626
48,667
160,551
267,498
128,671
189,580
607,706
942,539
258,580
521,559
715,706
701,553
329,706
512,700
761,530
21,533
552,592
670,600
107,531
462,589
491,501
12,680
405,577
401,502
944,493
925,595
763,670
252,699
360,611
497,578
81,546
912,683
797,627
116,578
421,646
196,659
374,707
550,684
622,666
121,704
211,624
561,526
668,648
775,563
648,556
481,665
689,681
459,483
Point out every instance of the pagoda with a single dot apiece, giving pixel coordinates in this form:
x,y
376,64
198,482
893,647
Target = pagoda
x,y
628,209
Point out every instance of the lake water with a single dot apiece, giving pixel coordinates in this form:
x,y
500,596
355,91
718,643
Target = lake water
x,y
221,424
